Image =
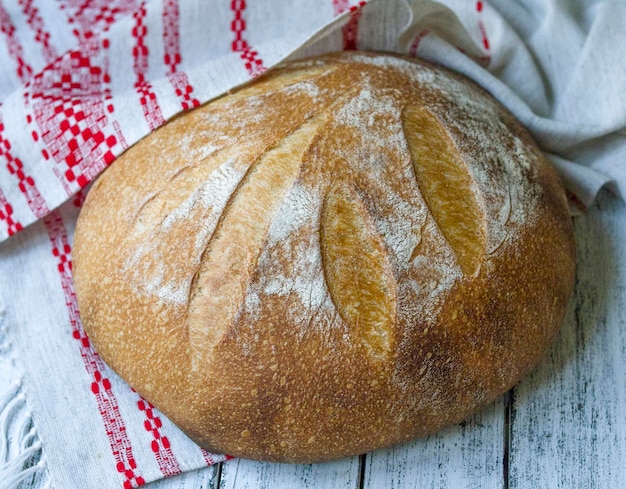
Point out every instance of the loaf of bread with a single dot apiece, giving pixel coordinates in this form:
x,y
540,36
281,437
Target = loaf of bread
x,y
352,251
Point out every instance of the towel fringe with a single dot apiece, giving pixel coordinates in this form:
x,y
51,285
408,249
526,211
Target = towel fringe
x,y
22,461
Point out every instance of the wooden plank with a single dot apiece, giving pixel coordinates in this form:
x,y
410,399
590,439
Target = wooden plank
x,y
466,455
568,420
195,479
245,474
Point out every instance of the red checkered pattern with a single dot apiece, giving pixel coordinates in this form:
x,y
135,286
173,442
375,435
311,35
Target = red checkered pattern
x,y
93,16
252,61
6,215
416,42
209,458
36,23
350,30
171,35
160,443
100,386
16,51
148,100
172,56
340,6
79,198
481,26
480,8
26,183
71,101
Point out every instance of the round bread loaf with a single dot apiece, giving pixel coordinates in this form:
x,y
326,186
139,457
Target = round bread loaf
x,y
352,251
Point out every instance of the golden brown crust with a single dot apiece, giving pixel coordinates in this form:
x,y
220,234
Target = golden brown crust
x,y
352,251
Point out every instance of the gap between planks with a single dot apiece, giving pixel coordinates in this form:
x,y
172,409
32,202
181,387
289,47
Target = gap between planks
x,y
216,481
509,406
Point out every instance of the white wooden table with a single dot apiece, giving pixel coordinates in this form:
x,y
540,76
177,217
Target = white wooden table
x,y
564,426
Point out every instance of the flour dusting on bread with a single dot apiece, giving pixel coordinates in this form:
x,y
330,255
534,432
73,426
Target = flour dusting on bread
x,y
351,251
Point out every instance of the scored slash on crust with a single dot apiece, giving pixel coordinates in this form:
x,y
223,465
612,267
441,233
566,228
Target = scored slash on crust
x,y
446,185
234,248
364,296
